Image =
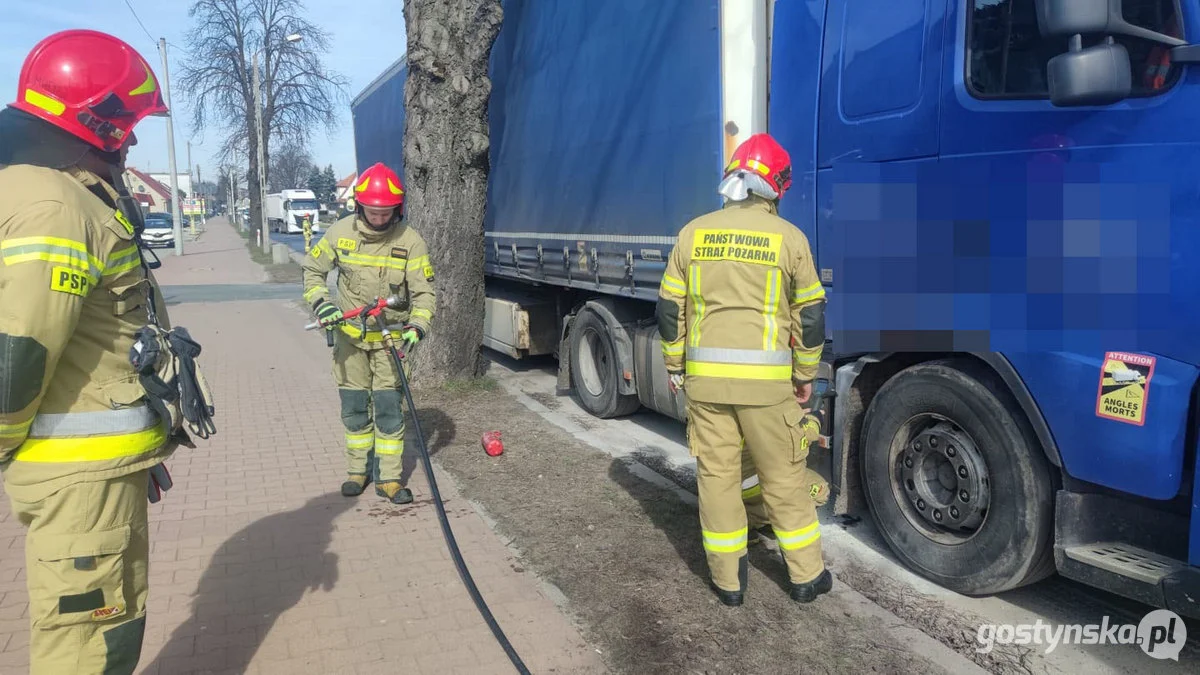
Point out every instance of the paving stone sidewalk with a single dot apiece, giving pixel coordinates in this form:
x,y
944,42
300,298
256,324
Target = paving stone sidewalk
x,y
258,564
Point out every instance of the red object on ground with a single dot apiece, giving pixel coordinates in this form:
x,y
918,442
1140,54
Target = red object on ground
x,y
492,444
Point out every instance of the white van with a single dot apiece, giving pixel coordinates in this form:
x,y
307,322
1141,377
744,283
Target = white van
x,y
286,211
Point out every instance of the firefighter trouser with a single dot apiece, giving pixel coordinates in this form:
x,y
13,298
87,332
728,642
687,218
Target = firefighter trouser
x,y
756,509
86,566
372,410
775,438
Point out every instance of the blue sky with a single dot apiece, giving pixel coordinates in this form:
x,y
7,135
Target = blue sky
x,y
366,37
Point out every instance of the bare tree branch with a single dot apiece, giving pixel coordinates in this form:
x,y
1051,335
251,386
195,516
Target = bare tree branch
x,y
298,92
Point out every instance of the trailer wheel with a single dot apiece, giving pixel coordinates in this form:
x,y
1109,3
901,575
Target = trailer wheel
x,y
596,368
956,480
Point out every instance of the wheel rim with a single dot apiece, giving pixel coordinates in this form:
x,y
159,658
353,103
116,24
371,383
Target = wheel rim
x,y
594,361
939,478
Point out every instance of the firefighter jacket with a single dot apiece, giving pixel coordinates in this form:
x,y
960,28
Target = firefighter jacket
x,y
372,264
74,293
740,309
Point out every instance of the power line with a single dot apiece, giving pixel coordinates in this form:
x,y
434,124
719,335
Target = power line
x,y
139,20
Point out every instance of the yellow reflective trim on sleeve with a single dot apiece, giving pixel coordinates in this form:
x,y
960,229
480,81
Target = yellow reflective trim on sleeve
x,y
811,292
672,349
739,371
673,286
91,448
421,313
53,250
807,358
122,261
18,430
315,292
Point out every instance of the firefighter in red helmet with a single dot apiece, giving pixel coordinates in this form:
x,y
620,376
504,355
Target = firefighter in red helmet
x,y
741,314
81,441
376,255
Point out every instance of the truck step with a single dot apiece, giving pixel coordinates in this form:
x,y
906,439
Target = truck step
x,y
1126,560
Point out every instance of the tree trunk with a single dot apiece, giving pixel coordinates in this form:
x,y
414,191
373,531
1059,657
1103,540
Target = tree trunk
x,y
446,168
256,207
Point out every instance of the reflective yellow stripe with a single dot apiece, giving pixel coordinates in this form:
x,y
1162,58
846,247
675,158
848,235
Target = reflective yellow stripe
x,y
389,446
807,358
808,293
418,263
50,105
71,252
18,430
315,292
355,332
360,260
672,349
673,286
122,261
725,542
698,301
737,371
420,313
90,449
770,303
356,441
751,493
797,539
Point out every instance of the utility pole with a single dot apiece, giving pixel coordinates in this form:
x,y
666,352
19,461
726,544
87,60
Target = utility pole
x,y
166,82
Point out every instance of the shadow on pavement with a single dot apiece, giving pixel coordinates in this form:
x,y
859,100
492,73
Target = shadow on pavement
x,y
679,522
255,576
439,429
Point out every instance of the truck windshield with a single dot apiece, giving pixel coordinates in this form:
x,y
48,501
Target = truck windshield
x,y
303,205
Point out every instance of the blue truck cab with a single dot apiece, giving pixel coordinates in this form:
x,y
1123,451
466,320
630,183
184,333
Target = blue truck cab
x,y
1001,197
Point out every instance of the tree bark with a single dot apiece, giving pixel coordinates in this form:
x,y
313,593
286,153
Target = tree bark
x,y
446,168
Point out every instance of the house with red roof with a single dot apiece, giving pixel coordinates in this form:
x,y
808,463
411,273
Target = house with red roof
x,y
151,194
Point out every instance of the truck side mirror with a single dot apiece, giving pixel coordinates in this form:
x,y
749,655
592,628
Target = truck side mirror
x,y
1099,75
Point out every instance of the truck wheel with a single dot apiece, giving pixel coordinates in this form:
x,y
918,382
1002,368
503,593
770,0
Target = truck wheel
x,y
596,368
956,480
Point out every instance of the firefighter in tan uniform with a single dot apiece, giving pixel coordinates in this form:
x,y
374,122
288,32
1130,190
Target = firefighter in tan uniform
x,y
741,314
377,256
78,441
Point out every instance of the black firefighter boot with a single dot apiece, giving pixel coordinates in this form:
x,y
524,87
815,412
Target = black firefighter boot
x,y
734,598
807,592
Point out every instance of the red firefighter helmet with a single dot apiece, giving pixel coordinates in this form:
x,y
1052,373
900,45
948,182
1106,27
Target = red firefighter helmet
x,y
90,84
761,154
379,186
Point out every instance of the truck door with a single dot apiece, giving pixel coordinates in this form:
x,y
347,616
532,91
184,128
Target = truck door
x,y
878,120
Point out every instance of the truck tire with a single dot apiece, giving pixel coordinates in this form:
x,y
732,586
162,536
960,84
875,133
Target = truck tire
x,y
596,368
956,481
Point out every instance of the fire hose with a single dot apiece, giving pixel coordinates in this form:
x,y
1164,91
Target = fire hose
x,y
374,311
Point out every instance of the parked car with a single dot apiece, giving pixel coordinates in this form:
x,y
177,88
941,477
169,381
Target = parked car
x,y
160,230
